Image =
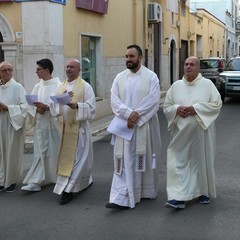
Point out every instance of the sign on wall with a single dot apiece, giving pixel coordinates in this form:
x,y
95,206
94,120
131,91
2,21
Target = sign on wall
x,y
55,1
100,6
25,0
59,1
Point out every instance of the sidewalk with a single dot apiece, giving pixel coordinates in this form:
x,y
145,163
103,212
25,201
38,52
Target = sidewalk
x,y
98,128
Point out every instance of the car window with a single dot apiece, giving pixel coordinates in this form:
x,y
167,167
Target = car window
x,y
209,63
204,64
233,65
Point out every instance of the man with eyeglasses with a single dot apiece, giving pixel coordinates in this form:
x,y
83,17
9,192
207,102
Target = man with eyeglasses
x,y
76,154
46,130
13,111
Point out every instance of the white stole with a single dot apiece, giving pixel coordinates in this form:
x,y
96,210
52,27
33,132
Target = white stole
x,y
141,132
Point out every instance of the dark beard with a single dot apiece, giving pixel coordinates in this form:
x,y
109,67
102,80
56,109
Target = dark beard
x,y
131,65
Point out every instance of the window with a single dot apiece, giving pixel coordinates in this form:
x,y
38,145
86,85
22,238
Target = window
x,y
173,19
88,46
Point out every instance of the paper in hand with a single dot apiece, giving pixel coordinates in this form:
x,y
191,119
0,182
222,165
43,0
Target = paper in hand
x,y
31,99
118,126
61,99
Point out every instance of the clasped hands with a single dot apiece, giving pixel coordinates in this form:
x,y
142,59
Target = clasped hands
x,y
133,118
183,111
41,107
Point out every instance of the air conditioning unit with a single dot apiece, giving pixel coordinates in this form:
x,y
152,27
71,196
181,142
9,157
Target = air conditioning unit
x,y
154,13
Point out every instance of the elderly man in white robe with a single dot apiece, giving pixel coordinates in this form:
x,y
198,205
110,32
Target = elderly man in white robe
x,y
135,98
76,153
46,130
191,107
13,111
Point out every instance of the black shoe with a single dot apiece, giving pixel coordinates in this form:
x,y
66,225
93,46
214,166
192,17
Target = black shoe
x,y
204,199
66,198
11,188
115,206
1,188
175,204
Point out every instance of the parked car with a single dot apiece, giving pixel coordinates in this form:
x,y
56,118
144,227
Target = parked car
x,y
228,83
211,67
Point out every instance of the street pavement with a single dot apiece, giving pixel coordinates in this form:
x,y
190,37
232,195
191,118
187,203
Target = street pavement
x,y
38,216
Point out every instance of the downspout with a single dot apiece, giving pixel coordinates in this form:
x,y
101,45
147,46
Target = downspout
x,y
146,31
134,21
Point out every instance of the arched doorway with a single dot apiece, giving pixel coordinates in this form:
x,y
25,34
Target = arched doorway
x,y
1,51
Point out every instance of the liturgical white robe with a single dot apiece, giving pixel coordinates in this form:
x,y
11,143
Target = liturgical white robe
x,y
46,136
130,185
12,129
191,152
81,174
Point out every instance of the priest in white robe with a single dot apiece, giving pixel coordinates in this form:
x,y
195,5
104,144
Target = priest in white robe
x,y
191,107
13,111
135,98
76,153
46,130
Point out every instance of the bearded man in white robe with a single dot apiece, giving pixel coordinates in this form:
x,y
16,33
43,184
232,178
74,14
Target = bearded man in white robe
x,y
135,98
191,107
46,130
13,111
76,153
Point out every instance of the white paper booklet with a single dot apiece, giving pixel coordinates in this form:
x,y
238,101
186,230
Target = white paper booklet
x,y
118,126
61,99
31,99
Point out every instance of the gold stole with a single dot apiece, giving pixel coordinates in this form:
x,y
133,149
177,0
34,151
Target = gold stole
x,y
70,129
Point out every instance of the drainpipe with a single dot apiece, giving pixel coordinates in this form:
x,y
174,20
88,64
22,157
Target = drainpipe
x,y
146,31
134,16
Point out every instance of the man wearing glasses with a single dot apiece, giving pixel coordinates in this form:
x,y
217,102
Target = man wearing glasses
x,y
13,111
46,130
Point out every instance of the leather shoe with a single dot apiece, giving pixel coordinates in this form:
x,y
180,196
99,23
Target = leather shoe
x,y
66,198
11,188
115,206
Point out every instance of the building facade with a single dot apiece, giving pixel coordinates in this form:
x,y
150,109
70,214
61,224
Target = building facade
x,y
227,11
97,32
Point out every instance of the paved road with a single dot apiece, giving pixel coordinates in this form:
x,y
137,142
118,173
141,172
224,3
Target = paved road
x,y
37,216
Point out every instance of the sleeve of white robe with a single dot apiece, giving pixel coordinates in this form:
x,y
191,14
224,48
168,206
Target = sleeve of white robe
x,y
86,110
149,105
207,112
119,108
32,110
146,108
170,108
18,112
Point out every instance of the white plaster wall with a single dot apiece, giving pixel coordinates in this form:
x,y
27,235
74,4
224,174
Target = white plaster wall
x,y
42,23
42,38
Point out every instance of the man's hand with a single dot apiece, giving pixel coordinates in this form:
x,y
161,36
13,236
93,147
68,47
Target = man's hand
x,y
190,111
3,107
73,105
41,107
133,118
70,94
183,111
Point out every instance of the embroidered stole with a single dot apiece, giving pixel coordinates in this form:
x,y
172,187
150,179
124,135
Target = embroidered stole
x,y
70,129
141,132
